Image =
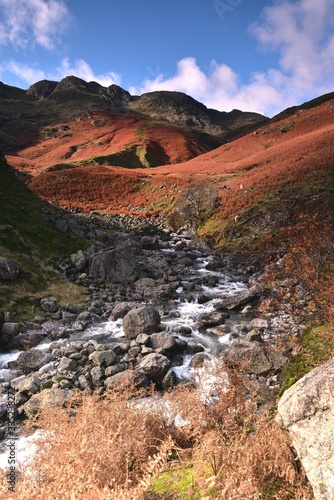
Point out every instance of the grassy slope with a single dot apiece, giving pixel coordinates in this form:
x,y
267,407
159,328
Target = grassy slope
x,y
31,242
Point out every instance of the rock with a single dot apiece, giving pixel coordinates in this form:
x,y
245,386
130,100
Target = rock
x,y
10,330
143,339
155,366
66,364
307,411
125,379
9,271
96,376
254,336
116,265
30,385
240,299
162,341
169,381
199,360
142,320
183,330
210,319
258,323
150,243
79,260
26,341
48,398
49,304
121,309
33,360
252,357
103,358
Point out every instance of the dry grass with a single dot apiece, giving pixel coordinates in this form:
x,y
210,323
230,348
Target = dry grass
x,y
114,448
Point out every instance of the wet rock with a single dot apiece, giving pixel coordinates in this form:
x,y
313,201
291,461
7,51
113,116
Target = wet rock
x,y
169,381
193,348
26,341
210,319
143,320
183,330
199,360
150,243
240,299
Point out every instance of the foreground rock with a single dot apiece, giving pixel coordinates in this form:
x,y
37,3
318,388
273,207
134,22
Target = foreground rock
x,y
307,411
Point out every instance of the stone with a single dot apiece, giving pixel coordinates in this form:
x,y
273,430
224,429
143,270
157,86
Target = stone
x,y
125,379
116,265
26,341
9,271
96,376
210,319
142,320
199,360
103,358
162,341
48,398
33,359
306,410
242,298
155,366
258,323
30,385
150,243
49,304
66,364
252,357
169,381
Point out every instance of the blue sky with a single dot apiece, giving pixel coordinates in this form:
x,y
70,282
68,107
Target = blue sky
x,y
256,55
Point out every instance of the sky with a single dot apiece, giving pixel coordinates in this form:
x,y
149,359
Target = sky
x,y
253,55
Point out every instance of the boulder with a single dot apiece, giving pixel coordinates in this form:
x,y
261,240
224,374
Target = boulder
x,y
126,379
155,366
48,398
49,304
150,243
9,271
255,358
29,385
142,320
162,341
211,319
307,411
116,265
103,358
33,359
26,341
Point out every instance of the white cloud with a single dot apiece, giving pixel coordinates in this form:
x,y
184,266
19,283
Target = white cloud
x,y
24,72
300,31
33,22
81,69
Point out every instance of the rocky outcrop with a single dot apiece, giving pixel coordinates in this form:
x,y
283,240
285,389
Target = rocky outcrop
x,y
307,411
116,265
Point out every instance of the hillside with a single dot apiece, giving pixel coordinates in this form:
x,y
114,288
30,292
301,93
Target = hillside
x,y
261,177
74,121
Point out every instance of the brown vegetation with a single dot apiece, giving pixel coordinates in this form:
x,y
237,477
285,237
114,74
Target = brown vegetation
x,y
119,447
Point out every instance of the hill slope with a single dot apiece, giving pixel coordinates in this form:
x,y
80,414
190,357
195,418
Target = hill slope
x,y
286,160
